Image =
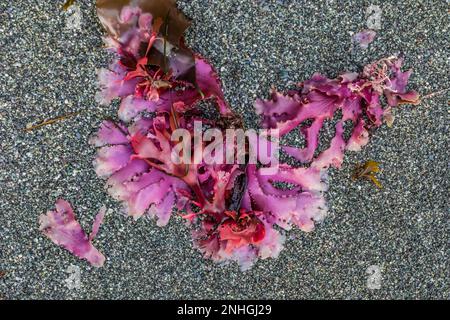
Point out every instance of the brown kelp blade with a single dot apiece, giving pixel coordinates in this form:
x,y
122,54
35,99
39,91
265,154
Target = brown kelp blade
x,y
109,12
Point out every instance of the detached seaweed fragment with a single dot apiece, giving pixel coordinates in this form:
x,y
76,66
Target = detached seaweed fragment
x,y
51,121
367,171
68,4
63,229
364,38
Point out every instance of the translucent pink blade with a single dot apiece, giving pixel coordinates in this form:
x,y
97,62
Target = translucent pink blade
x,y
61,227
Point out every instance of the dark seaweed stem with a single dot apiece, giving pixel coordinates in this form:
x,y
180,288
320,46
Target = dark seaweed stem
x,y
238,191
235,121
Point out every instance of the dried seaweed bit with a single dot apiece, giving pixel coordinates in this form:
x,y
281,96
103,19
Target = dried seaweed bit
x,y
68,4
364,38
50,121
2,273
367,171
63,229
389,117
436,93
